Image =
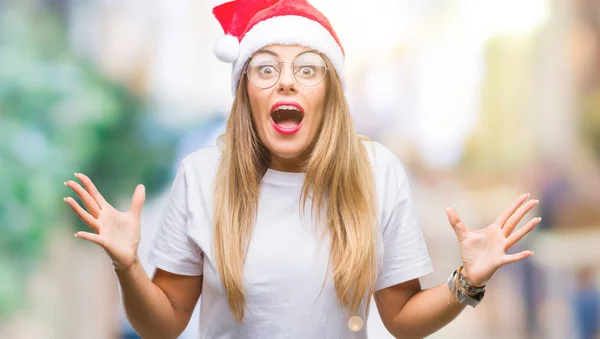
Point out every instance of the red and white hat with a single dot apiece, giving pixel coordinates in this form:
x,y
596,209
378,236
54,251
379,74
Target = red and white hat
x,y
250,25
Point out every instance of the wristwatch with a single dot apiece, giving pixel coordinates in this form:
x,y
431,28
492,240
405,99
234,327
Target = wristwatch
x,y
462,297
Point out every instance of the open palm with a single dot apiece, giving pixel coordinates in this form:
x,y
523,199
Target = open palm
x,y
117,232
484,251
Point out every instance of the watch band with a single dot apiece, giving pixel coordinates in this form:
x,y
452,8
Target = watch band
x,y
460,295
471,301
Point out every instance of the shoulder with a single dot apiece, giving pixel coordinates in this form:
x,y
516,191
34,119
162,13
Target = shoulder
x,y
202,162
386,164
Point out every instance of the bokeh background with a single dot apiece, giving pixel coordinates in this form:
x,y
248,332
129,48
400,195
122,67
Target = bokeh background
x,y
481,99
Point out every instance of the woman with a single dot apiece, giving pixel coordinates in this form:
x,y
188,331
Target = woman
x,y
291,224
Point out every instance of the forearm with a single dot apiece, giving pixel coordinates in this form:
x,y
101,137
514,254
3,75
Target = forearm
x,y
147,307
425,313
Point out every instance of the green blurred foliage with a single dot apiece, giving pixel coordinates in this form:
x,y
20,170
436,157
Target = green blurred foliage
x,y
59,115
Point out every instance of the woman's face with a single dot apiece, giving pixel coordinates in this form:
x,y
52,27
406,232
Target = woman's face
x,y
287,114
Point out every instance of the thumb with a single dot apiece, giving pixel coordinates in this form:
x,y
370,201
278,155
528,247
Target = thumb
x,y
137,201
92,237
455,221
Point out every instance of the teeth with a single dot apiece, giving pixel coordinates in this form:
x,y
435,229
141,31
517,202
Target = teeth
x,y
289,108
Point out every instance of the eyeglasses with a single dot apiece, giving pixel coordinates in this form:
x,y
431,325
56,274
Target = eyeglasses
x,y
264,70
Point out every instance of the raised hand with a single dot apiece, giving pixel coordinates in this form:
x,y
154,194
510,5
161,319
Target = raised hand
x,y
118,233
483,251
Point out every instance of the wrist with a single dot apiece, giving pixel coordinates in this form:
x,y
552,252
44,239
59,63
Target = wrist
x,y
462,292
477,284
124,269
466,285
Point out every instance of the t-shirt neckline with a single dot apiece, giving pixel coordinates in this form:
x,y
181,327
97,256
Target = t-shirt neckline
x,y
278,177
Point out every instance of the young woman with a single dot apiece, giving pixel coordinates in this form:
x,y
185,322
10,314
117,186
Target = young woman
x,y
292,222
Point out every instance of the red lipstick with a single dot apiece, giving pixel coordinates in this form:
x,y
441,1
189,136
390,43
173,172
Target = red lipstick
x,y
281,129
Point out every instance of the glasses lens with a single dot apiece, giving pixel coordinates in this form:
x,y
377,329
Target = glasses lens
x,y
309,69
263,70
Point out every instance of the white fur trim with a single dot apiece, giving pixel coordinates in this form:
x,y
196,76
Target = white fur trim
x,y
227,48
288,30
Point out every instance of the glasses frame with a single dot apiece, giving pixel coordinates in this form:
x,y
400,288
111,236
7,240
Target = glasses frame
x,y
281,69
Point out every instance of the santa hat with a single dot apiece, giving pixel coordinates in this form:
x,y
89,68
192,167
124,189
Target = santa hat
x,y
250,25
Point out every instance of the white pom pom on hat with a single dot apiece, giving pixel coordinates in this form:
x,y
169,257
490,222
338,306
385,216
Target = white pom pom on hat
x,y
227,48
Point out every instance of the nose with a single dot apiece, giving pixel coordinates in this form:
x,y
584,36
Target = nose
x,y
287,81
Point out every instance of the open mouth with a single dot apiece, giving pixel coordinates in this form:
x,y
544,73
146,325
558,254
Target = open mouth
x,y
287,116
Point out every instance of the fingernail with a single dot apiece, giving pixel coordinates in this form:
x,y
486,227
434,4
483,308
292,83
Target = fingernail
x,y
532,252
76,173
539,218
75,235
65,183
537,201
528,194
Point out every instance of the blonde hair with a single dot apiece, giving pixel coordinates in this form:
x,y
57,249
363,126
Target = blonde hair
x,y
338,171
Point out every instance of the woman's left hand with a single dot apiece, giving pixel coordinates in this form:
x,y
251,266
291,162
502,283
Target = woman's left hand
x,y
483,251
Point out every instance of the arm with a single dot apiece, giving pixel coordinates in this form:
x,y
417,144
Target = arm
x,y
409,312
160,308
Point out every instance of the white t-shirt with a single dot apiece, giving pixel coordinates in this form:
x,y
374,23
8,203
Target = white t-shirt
x,y
286,264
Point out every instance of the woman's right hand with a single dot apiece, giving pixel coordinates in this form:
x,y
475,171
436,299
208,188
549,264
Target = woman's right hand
x,y
118,233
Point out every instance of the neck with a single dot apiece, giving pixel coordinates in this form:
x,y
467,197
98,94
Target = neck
x,y
287,165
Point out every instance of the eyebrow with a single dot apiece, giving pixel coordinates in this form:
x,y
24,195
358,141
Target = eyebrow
x,y
268,51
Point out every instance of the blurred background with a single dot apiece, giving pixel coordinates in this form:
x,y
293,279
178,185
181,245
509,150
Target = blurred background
x,y
482,100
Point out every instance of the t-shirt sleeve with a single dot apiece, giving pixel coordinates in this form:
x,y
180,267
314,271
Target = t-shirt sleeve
x,y
172,249
405,254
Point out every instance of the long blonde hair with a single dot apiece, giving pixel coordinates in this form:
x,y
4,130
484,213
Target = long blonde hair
x,y
338,171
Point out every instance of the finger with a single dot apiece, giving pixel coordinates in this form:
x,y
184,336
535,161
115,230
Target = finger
x,y
514,220
88,201
510,210
137,201
521,232
512,258
93,237
83,214
91,188
459,228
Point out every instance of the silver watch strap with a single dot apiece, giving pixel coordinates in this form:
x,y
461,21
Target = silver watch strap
x,y
471,301
462,297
